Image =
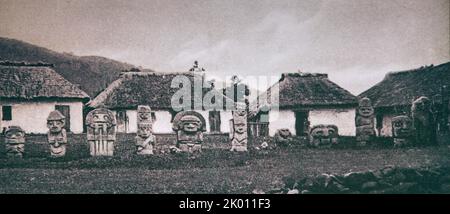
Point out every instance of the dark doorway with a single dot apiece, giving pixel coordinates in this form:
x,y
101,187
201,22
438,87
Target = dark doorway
x,y
65,110
301,123
122,121
214,121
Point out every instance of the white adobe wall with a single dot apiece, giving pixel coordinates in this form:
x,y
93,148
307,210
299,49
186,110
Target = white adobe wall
x,y
162,124
281,119
32,116
225,117
344,119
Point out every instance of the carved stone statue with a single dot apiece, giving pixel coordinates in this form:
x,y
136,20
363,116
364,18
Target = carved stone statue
x,y
283,136
189,126
402,131
423,121
101,132
57,136
324,135
364,121
238,132
145,138
15,142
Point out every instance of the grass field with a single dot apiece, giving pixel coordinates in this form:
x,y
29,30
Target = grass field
x,y
215,171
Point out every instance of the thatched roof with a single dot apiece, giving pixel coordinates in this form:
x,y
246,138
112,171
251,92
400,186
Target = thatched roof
x,y
144,88
34,81
300,90
401,88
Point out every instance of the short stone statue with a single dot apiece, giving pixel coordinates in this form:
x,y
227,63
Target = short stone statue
x,y
364,121
424,125
56,136
101,132
283,136
15,142
145,138
402,131
238,126
189,126
323,135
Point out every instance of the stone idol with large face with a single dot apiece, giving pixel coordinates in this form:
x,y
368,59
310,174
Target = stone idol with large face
x,y
101,132
56,135
238,132
283,136
423,121
15,142
145,139
364,121
402,131
189,126
323,135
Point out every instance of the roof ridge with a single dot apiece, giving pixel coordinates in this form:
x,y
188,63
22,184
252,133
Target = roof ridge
x,y
101,98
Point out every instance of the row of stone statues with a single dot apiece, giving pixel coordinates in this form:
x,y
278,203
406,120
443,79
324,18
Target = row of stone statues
x,y
419,128
190,126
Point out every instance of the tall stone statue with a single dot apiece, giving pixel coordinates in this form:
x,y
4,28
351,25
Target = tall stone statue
x,y
364,121
101,132
15,142
189,126
423,121
238,132
56,136
402,131
323,135
145,139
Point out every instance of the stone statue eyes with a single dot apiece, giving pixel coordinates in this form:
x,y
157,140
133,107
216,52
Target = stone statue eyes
x,y
330,132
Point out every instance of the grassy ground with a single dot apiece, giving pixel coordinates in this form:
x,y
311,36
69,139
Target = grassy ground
x,y
215,171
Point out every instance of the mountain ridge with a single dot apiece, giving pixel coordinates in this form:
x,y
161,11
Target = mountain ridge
x,y
91,73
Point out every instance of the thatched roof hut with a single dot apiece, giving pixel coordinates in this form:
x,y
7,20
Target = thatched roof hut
x,y
146,88
399,89
29,92
304,100
308,90
21,81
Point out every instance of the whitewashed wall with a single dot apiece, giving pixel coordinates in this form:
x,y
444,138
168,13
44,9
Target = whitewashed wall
x,y
281,119
162,124
225,117
32,116
344,119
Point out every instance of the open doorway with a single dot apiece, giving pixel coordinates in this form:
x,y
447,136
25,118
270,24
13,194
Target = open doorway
x,y
301,123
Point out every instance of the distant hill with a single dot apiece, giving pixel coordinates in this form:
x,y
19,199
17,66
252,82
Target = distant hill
x,y
91,73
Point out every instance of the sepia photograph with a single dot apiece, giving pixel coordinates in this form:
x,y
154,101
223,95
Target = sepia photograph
x,y
253,97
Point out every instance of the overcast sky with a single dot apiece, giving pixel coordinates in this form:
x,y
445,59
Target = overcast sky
x,y
355,41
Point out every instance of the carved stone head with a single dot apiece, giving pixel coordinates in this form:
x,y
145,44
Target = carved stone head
x,y
422,104
55,121
241,109
284,133
14,135
324,134
144,113
144,130
402,127
189,121
100,116
365,107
